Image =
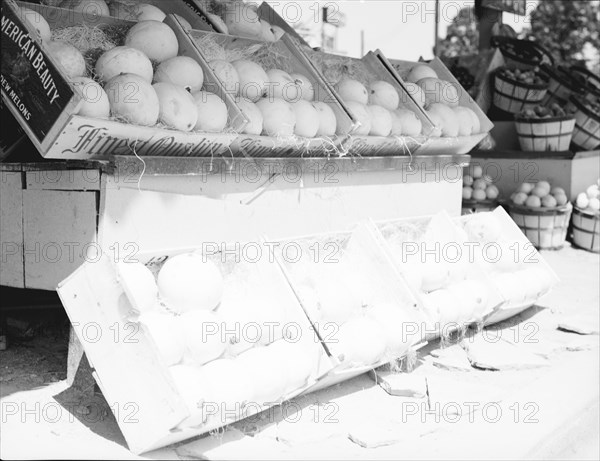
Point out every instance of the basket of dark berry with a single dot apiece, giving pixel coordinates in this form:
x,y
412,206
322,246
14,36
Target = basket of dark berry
x,y
561,84
544,129
521,54
517,90
586,134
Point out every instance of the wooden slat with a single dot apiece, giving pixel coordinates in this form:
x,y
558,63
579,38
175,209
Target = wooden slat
x,y
76,180
11,229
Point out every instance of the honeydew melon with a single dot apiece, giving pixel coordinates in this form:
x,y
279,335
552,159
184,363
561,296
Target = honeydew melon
x,y
38,22
381,121
279,118
69,57
181,71
327,119
253,79
405,123
95,100
307,119
133,99
420,72
226,73
383,94
416,93
281,85
307,90
351,90
439,91
153,38
212,112
177,106
123,60
165,331
263,373
442,113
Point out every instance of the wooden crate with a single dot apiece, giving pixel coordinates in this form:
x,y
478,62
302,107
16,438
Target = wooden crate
x,y
54,126
124,365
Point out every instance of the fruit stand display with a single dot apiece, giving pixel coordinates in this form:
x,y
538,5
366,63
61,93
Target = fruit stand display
x,y
479,191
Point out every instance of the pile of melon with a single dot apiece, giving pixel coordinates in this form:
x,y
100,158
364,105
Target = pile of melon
x,y
221,333
441,101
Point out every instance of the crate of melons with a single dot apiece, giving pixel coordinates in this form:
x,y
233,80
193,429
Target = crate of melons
x,y
438,263
192,339
107,86
360,307
510,261
459,122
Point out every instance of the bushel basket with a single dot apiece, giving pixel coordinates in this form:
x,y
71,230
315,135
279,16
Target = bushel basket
x,y
545,134
586,229
521,54
561,85
546,228
586,133
514,96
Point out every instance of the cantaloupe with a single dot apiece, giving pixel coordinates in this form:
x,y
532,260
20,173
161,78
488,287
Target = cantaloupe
x,y
381,120
212,112
123,60
253,79
242,20
450,126
253,114
181,71
362,116
227,391
69,57
327,119
189,282
279,118
405,123
153,38
296,360
177,106
307,90
439,91
87,7
307,119
281,85
383,94
133,99
352,90
202,335
226,73
38,22
95,100
419,72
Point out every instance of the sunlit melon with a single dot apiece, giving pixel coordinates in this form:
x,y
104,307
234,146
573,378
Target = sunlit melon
x,y
202,333
177,106
165,331
419,72
228,387
307,119
352,90
190,383
465,121
189,282
242,20
253,79
95,100
139,284
405,123
281,85
383,94
181,71
381,121
450,123
153,38
37,21
69,57
87,7
337,301
327,119
362,116
359,341
212,112
393,320
279,118
226,73
474,298
134,11
133,99
265,376
307,90
297,360
416,93
266,31
123,60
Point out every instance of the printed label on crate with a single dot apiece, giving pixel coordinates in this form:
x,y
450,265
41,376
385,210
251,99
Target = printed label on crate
x,y
29,81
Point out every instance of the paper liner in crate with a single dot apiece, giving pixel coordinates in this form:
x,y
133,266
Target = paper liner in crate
x,y
359,306
510,260
193,340
431,255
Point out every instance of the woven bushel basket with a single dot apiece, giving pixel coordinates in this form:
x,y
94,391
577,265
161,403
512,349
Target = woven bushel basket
x,y
545,134
546,228
514,96
586,134
586,229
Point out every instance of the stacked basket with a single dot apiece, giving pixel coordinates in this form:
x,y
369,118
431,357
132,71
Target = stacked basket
x,y
545,134
586,133
561,85
586,229
546,228
514,95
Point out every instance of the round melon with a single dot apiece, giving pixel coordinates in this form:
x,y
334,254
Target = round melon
x,y
279,118
69,57
337,302
253,79
177,106
133,99
383,94
153,38
435,275
281,85
212,112
392,319
439,91
360,341
352,90
265,376
190,384
165,331
229,388
253,114
307,90
381,121
476,123
189,282
87,7
449,126
138,284
327,119
416,92
147,12
242,20
181,71
473,298
420,72
95,100
202,335
296,360
266,32
218,22
123,60
227,74
38,22
307,119
465,121
132,11
405,123
362,116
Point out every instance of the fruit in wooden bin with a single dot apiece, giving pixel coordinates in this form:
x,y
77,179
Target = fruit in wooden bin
x,y
307,119
561,199
327,119
88,7
202,335
468,180
226,392
435,275
351,90
359,341
594,204
467,193
465,122
449,122
533,201
165,331
381,121
307,91
419,72
530,76
212,112
476,171
405,123
519,198
479,194
153,38
479,184
261,372
549,201
383,94
416,93
593,191
297,361
242,20
439,91
123,60
177,106
253,79
133,11
267,33
281,85
189,382
133,99
554,110
362,115
95,100
188,281
539,191
582,201
392,319
218,22
226,73
181,71
38,22
558,191
69,57
526,187
253,114
279,118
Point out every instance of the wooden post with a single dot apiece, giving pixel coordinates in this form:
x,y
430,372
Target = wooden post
x,y
488,18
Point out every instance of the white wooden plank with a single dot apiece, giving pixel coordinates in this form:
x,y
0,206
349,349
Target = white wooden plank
x,y
76,180
11,229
